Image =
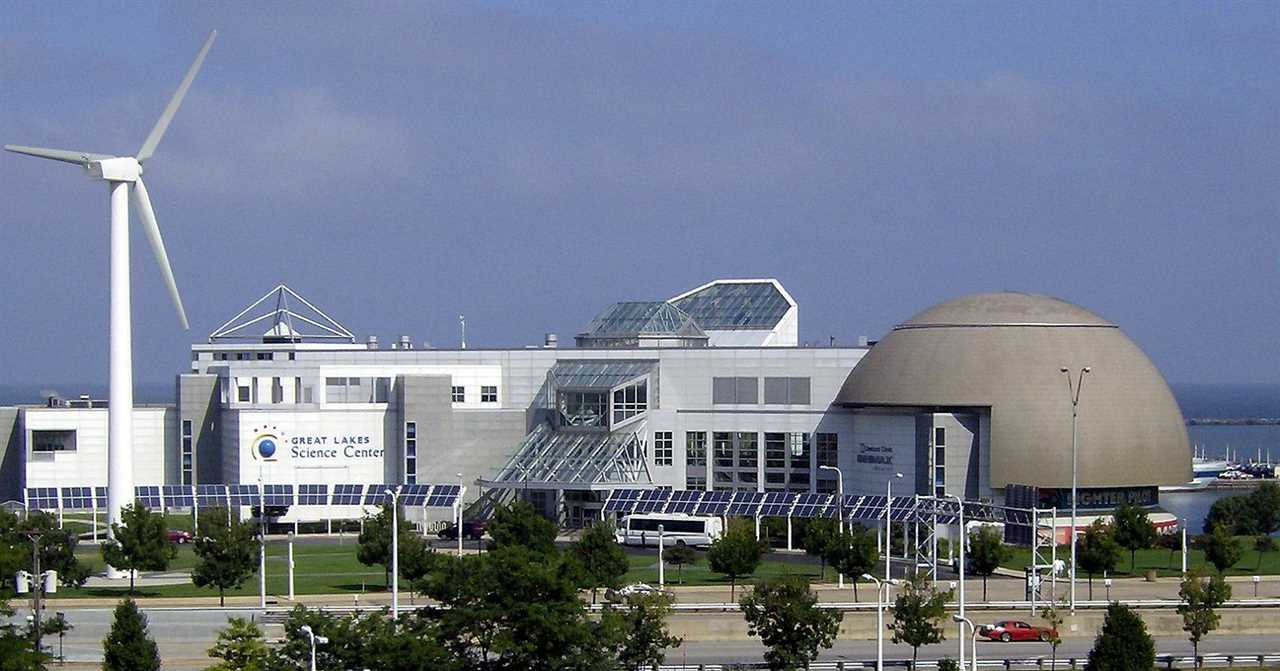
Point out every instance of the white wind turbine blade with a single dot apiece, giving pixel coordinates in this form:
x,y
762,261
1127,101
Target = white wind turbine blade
x,y
148,216
64,155
149,146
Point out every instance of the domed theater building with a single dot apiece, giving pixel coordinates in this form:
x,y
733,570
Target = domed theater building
x,y
981,378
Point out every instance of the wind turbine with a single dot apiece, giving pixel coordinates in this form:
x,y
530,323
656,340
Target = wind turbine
x,y
121,172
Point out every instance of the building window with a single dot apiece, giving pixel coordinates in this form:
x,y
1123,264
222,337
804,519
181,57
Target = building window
x,y
722,443
488,394
411,453
187,452
266,356
277,390
826,486
748,446
663,452
53,441
381,389
939,436
786,391
698,482
775,450
244,393
458,394
695,449
630,401
799,450
828,448
292,356
242,356
583,408
734,391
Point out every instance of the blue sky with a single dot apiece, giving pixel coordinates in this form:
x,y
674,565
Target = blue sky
x,y
529,163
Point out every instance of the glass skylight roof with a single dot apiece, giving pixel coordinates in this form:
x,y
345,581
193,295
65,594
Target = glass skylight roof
x,y
736,305
598,374
647,318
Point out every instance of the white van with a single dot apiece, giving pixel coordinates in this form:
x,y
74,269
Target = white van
x,y
677,529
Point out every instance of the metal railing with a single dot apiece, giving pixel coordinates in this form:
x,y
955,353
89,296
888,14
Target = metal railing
x,y
1170,661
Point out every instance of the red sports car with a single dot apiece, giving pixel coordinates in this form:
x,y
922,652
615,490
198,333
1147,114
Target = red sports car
x,y
1014,630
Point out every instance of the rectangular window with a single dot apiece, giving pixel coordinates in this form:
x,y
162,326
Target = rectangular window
x,y
749,478
335,390
799,480
799,452
722,443
722,480
488,394
826,486
662,448
734,390
695,449
53,441
828,448
786,391
630,401
265,356
939,436
697,482
775,478
243,393
775,450
411,452
381,389
458,394
748,446
277,390
187,451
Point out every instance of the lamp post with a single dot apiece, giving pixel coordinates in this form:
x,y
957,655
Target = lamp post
x,y
974,640
839,509
662,574
395,551
291,566
459,513
881,601
1073,393
262,546
964,537
321,640
888,525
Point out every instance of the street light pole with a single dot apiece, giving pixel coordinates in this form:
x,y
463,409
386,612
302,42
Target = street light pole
x,y
662,574
839,509
262,546
459,513
1073,393
881,601
973,641
888,526
306,629
964,536
291,566
395,551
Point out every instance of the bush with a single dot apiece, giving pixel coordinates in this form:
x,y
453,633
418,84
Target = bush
x,y
1123,643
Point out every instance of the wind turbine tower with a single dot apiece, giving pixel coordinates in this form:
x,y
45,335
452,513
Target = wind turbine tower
x,y
121,173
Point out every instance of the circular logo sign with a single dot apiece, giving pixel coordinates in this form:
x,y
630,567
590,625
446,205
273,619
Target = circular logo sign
x,y
264,447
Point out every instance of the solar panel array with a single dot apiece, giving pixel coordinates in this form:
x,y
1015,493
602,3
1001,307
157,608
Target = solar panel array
x,y
243,495
178,496
375,494
148,496
211,496
444,496
784,504
77,498
42,498
313,495
347,495
277,495
413,496
162,497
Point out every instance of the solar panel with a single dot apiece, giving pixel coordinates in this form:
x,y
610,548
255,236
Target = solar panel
x,y
100,497
313,495
77,498
443,496
177,496
904,507
811,505
745,504
211,496
243,494
865,508
685,501
376,494
42,498
414,495
777,504
277,495
654,500
148,496
623,501
715,503
347,495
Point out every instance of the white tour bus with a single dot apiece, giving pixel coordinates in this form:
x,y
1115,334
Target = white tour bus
x,y
642,529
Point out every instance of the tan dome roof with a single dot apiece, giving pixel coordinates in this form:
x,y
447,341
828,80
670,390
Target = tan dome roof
x,y
1004,351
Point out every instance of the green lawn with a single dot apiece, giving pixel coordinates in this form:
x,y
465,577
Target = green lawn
x,y
644,568
1169,564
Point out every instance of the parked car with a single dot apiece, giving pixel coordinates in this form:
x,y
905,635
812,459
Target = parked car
x,y
472,530
1014,630
622,593
179,536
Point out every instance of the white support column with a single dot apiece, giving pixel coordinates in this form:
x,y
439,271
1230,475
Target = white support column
x,y
120,394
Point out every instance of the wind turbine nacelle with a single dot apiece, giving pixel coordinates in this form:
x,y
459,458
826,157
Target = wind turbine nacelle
x,y
122,169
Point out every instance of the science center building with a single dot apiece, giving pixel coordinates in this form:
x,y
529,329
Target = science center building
x,y
708,390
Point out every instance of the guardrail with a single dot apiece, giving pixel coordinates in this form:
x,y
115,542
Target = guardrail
x,y
1170,661
994,605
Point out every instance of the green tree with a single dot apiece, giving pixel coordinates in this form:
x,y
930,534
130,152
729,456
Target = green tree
x,y
1201,598
639,630
1053,618
1171,542
59,626
1263,545
918,614
737,553
1265,502
1122,644
1221,548
853,553
818,534
240,647
520,524
128,646
1097,551
986,553
141,543
1237,513
375,544
57,546
678,556
1134,531
362,641
948,664
783,612
225,553
602,560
